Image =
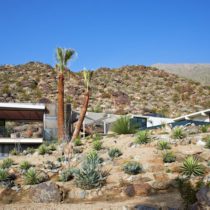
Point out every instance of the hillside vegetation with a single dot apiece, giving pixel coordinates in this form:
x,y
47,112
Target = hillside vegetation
x,y
129,89
197,72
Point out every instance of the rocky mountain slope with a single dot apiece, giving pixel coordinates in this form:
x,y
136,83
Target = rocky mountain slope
x,y
129,89
197,72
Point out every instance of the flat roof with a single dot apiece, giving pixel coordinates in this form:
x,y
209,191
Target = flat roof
x,y
22,111
24,106
203,112
21,140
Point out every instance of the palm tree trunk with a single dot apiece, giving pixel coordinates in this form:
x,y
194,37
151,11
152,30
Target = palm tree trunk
x,y
60,113
81,117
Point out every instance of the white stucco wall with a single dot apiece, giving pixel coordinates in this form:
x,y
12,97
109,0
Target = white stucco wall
x,y
154,121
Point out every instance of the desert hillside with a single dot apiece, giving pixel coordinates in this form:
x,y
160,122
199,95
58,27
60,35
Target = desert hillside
x,y
129,89
197,72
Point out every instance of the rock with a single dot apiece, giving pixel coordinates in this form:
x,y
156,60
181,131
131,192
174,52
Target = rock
x,y
162,181
43,176
47,192
142,189
144,207
203,197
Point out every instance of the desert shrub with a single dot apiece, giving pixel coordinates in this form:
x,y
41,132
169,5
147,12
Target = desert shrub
x,y
142,137
66,175
52,147
7,163
14,152
30,150
93,158
204,128
25,165
178,133
43,149
31,177
97,137
97,145
77,142
132,167
123,125
191,167
114,152
163,145
208,142
61,159
3,174
169,157
187,191
90,175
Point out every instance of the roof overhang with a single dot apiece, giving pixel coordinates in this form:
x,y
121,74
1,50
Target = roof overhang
x,y
22,111
205,112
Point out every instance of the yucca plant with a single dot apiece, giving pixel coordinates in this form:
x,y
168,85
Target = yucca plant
x,y
191,167
66,175
30,150
14,152
90,175
208,142
123,125
132,167
7,163
77,142
163,145
31,177
169,157
97,145
3,174
114,152
25,165
178,133
142,137
43,149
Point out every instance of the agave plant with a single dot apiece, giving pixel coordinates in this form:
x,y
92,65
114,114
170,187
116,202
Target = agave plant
x,y
169,157
114,152
123,126
178,133
97,145
191,167
31,177
142,137
163,145
132,167
93,158
7,163
90,175
66,175
25,165
43,149
3,174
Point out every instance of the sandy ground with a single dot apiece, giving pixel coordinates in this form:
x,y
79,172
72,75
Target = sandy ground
x,y
169,200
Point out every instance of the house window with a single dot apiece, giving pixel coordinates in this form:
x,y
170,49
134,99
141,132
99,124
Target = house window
x,y
140,122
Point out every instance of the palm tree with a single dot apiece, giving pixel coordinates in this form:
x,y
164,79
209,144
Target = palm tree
x,y
62,57
87,79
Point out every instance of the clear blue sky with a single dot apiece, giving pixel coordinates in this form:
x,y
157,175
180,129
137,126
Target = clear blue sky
x,y
108,33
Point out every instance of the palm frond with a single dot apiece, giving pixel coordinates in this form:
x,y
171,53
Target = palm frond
x,y
87,78
68,55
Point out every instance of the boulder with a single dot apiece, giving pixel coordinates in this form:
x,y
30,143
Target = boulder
x,y
142,189
46,192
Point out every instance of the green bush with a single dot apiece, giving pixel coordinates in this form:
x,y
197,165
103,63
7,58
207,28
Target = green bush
x,y
208,142
52,147
163,145
7,163
204,128
30,150
31,177
97,145
25,165
114,152
132,167
3,174
142,137
66,175
191,167
90,175
178,133
43,149
77,142
14,152
169,157
123,125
